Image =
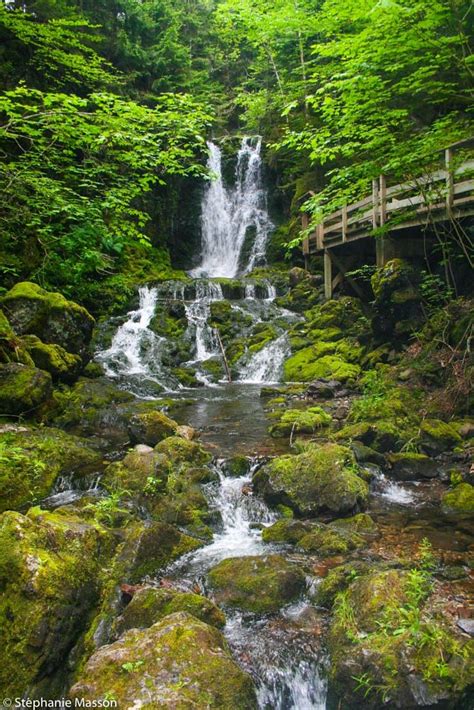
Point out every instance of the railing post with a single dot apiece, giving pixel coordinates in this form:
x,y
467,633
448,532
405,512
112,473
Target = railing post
x,y
320,235
327,275
383,200
375,204
449,179
344,223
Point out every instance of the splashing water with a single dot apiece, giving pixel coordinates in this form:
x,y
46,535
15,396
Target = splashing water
x,y
267,364
197,313
393,491
135,349
229,212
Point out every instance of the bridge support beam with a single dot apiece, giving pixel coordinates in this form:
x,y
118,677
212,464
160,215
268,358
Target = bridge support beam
x,y
385,249
327,275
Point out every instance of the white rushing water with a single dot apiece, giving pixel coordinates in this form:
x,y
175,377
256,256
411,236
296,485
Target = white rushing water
x,y
197,313
267,364
229,212
393,491
135,349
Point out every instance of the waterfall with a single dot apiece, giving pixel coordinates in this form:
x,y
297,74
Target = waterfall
x,y
229,212
197,313
135,349
267,364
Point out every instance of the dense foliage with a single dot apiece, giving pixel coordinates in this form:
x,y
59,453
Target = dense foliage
x,y
105,101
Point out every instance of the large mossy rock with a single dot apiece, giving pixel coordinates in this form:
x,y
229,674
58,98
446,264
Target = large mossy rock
x,y
257,584
32,310
150,604
397,299
459,501
61,365
33,458
331,360
151,427
320,479
438,436
23,388
178,663
391,645
49,564
156,545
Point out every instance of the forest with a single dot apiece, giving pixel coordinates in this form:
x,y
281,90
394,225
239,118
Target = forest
x,y
236,332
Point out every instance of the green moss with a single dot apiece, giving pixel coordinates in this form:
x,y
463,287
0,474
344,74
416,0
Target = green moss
x,y
32,459
394,281
151,427
337,580
23,389
237,466
459,501
214,368
258,584
48,573
308,364
303,421
360,523
54,359
150,604
186,376
286,530
319,478
180,450
158,544
438,434
180,661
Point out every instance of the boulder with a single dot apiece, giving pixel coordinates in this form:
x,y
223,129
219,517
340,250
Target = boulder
x,y
412,466
382,649
23,388
258,584
151,427
150,604
438,436
61,365
33,458
33,311
320,479
49,571
459,501
323,389
179,662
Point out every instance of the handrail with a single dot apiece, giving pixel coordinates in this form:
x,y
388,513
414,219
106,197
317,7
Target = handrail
x,y
454,197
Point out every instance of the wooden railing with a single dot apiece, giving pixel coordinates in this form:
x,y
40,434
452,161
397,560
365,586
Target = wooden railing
x,y
447,193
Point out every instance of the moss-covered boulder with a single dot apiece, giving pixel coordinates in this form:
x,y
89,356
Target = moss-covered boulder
x,y
391,644
326,541
12,347
132,473
32,310
287,530
337,580
397,299
236,466
180,450
323,360
300,421
321,478
23,388
150,604
31,460
151,427
258,584
459,501
61,365
49,564
156,545
438,436
180,662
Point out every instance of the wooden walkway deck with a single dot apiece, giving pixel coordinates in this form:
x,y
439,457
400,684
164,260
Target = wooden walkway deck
x,y
446,194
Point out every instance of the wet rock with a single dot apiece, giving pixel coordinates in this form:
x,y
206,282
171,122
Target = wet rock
x,y
156,544
236,466
466,430
180,450
23,388
132,473
150,604
299,421
323,389
62,366
178,662
337,580
34,458
258,584
378,657
49,570
186,432
459,501
321,478
412,466
287,531
438,436
32,310
364,454
466,625
151,427
326,541
397,299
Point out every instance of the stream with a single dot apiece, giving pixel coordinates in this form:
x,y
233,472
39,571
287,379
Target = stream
x,y
284,652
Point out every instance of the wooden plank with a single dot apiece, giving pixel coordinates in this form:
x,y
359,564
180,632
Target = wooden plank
x,y
375,204
449,179
383,200
327,275
342,269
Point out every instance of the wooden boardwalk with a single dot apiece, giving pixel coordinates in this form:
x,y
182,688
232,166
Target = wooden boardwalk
x,y
446,194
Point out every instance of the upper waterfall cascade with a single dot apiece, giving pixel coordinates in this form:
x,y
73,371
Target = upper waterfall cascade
x,y
228,212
